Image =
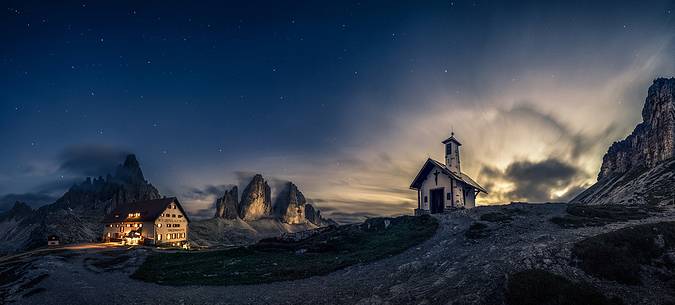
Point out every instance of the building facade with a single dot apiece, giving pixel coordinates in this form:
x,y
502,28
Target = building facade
x,y
442,186
161,222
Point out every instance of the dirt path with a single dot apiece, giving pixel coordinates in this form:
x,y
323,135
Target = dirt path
x,y
448,267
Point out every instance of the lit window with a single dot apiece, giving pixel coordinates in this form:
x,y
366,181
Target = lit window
x,y
159,236
159,225
131,215
108,234
140,225
137,214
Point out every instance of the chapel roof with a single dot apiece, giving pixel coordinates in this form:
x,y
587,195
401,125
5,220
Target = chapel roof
x,y
431,163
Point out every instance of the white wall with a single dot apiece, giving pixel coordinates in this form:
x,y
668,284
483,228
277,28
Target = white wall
x,y
444,182
470,199
166,225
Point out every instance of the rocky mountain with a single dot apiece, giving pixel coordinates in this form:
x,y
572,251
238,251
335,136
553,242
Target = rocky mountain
x,y
254,217
76,216
639,169
227,206
256,199
290,205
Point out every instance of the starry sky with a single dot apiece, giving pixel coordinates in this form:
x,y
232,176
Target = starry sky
x,y
346,99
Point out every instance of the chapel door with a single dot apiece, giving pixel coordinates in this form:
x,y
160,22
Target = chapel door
x,y
437,201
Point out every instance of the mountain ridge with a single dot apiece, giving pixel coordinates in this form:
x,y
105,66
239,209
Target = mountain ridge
x,y
640,168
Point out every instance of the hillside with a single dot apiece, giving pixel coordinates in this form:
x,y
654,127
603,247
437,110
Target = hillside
x,y
639,169
477,256
76,216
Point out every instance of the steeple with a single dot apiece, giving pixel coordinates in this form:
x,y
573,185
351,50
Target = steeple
x,y
452,153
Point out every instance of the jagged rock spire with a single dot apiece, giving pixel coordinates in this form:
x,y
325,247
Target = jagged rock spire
x,y
130,171
256,200
290,205
227,206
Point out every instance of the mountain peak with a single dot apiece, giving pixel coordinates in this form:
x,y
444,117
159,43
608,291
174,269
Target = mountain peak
x,y
653,140
131,162
130,171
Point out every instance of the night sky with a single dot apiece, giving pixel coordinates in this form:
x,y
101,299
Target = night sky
x,y
346,99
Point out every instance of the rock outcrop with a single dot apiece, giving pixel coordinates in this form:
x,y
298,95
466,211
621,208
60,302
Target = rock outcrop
x,y
227,206
652,140
314,216
76,216
640,168
256,200
290,205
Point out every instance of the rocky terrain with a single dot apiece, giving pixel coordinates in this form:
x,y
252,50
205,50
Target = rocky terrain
x,y
76,216
639,169
254,217
469,260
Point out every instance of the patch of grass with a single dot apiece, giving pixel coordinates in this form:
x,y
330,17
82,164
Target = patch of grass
x,y
599,215
278,260
477,230
619,255
539,287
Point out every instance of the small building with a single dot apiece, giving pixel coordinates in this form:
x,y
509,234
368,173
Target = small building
x,y
442,186
152,222
53,241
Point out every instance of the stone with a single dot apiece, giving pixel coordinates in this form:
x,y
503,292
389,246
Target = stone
x,y
227,207
256,202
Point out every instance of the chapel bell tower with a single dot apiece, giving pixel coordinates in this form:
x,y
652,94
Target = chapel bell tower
x,y
452,153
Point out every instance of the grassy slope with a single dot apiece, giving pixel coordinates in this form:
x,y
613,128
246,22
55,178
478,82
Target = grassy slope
x,y
275,260
619,255
538,287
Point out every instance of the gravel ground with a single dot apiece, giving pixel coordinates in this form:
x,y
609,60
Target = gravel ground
x,y
447,269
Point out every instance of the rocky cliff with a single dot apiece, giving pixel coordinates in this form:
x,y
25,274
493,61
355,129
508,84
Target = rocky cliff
x,y
254,217
652,140
256,200
227,206
639,169
76,216
290,205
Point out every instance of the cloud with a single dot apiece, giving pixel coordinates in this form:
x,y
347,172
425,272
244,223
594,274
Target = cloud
x,y
34,200
91,159
535,181
200,202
